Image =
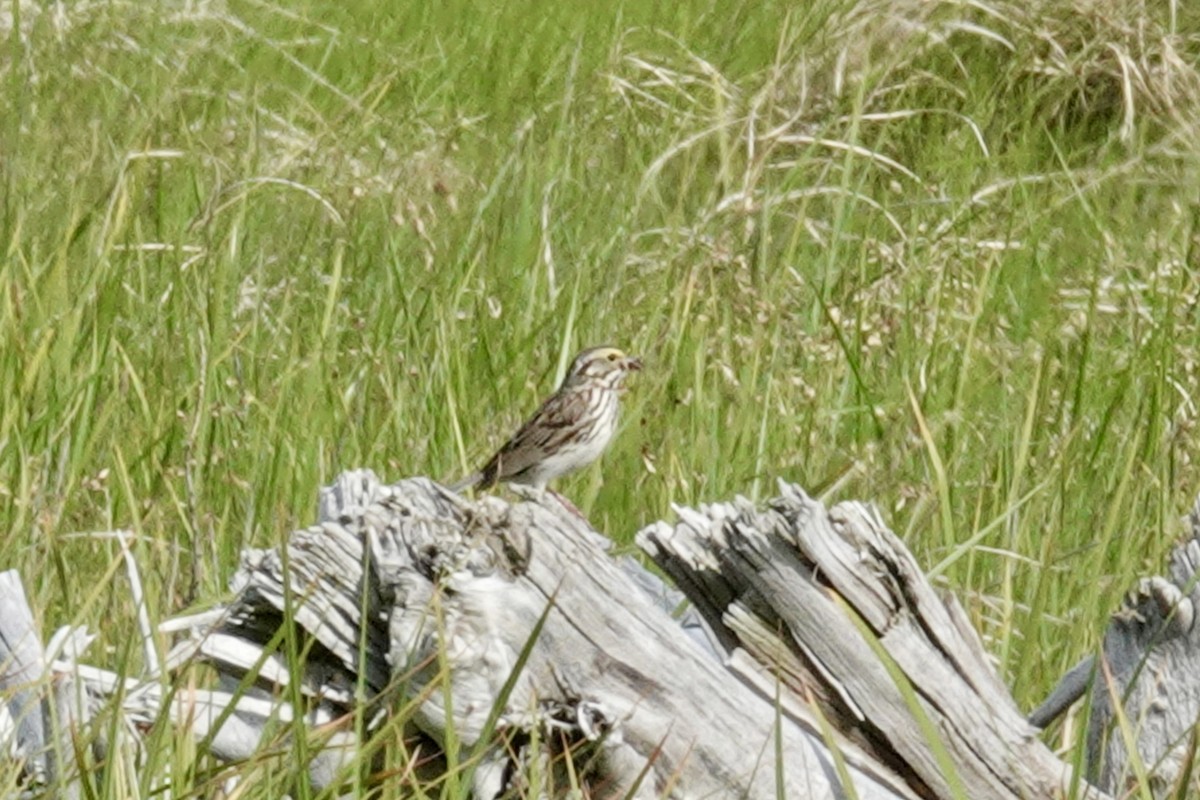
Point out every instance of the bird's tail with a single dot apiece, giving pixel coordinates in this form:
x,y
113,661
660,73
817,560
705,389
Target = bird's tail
x,y
468,482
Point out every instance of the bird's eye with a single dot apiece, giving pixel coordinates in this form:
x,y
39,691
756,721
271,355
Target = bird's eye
x,y
612,356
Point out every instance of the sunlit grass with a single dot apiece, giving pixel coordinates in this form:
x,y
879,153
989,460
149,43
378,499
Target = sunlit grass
x,y
939,256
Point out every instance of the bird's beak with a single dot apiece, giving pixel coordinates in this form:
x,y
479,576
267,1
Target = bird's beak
x,y
633,363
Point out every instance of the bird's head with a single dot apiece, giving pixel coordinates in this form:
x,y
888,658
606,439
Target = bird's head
x,y
607,364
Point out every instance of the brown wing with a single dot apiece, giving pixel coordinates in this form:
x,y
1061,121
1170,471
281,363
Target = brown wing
x,y
541,434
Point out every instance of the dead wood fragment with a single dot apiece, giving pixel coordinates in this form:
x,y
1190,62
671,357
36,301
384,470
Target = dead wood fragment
x,y
817,655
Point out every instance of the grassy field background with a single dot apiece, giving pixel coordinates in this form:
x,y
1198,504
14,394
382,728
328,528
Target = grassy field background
x,y
937,255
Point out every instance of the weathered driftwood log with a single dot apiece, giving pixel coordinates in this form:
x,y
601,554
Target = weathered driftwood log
x,y
32,736
829,662
833,601
1145,684
472,589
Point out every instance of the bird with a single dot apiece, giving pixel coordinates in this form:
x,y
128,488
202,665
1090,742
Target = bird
x,y
569,430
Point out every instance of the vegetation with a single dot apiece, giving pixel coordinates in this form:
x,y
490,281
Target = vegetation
x,y
938,255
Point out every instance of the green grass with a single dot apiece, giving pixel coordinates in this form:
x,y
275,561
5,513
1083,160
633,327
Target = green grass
x,y
941,255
